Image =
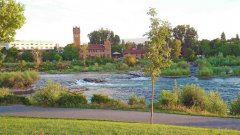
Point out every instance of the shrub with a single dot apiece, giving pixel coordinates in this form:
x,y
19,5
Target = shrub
x,y
49,94
183,65
13,99
205,72
222,71
168,98
62,65
72,99
46,66
193,96
4,92
18,79
100,99
6,98
137,101
175,72
109,67
22,65
236,72
131,60
235,106
122,66
215,104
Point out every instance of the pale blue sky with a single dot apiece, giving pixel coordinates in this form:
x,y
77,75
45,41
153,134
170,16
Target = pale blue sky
x,y
53,19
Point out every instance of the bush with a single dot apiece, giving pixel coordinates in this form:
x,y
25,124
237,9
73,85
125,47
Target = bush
x,y
73,99
175,72
235,106
215,104
236,72
100,99
49,94
122,66
168,98
18,79
193,96
6,98
205,72
4,92
131,60
46,66
137,101
221,71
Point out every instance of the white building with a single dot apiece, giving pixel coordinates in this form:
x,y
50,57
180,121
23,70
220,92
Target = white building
x,y
29,45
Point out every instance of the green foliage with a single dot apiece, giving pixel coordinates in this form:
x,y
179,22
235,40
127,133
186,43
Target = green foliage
x,y
100,99
49,55
22,64
4,92
98,37
205,72
12,18
57,57
168,98
72,99
190,54
18,79
130,60
236,72
215,104
12,55
6,98
137,101
70,52
177,69
235,106
221,71
122,66
46,66
27,56
193,96
49,94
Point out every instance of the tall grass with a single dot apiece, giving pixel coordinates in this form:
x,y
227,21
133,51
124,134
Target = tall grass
x,y
18,79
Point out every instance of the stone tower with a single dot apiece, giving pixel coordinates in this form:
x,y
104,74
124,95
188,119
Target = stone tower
x,y
108,50
76,37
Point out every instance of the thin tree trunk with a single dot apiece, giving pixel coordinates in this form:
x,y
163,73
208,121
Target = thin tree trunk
x,y
151,120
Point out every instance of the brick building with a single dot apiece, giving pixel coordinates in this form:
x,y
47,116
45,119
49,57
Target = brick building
x,y
92,50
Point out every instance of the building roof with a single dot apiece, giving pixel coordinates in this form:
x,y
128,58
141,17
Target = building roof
x,y
135,52
96,46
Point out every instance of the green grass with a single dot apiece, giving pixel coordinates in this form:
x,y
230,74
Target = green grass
x,y
33,126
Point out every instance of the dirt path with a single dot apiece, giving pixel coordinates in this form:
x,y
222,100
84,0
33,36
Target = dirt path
x,y
129,116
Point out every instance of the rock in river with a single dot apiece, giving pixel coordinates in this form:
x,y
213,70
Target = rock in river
x,y
94,80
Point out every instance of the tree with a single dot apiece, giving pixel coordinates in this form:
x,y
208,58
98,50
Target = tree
x,y
187,35
11,19
158,51
12,55
237,37
49,55
27,56
70,52
223,37
176,49
98,37
84,49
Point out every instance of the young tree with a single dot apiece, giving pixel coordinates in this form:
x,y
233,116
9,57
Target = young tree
x,y
84,49
176,49
223,37
158,51
11,19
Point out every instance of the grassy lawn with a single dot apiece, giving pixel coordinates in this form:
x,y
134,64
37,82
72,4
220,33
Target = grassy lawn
x,y
33,126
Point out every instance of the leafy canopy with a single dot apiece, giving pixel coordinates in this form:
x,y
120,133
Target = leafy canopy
x,y
11,18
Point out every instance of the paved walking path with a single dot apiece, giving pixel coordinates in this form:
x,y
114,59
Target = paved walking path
x,y
116,115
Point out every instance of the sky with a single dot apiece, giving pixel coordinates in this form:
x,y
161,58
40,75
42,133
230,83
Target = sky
x,y
53,20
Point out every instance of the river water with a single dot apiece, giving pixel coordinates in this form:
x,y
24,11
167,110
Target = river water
x,y
123,86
